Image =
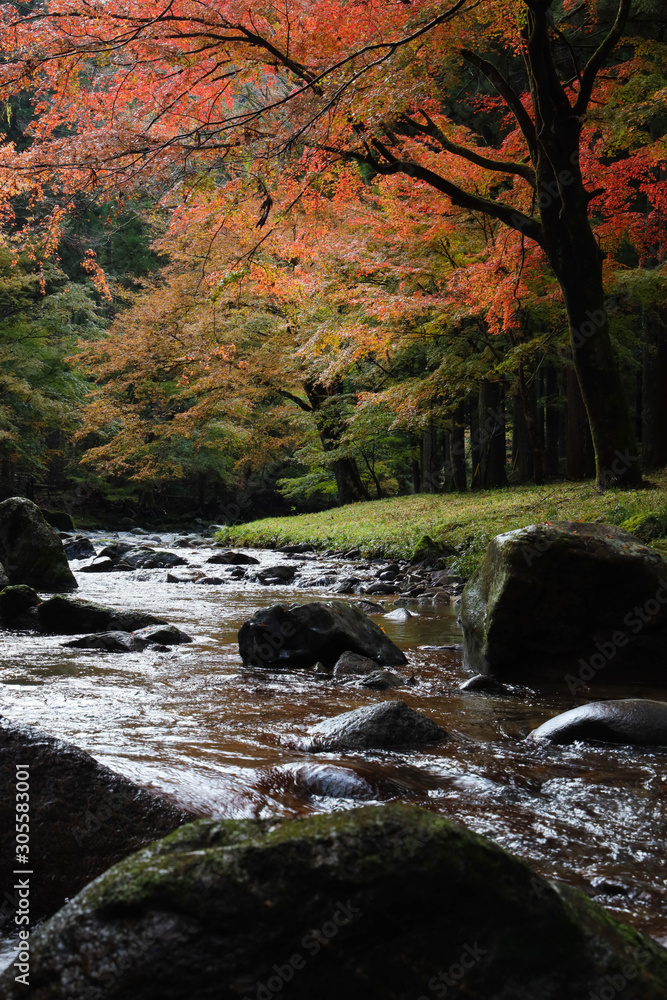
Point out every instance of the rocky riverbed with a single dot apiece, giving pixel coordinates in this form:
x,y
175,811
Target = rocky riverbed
x,y
221,740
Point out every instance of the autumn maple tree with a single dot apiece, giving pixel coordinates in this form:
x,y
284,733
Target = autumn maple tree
x,y
492,105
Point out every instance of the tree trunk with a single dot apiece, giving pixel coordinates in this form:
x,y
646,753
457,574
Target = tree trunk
x,y
553,408
475,450
529,410
492,436
330,426
580,461
654,388
430,472
522,453
458,449
348,481
576,259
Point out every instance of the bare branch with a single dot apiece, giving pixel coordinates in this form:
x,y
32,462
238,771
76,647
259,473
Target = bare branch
x,y
599,57
458,196
501,166
509,95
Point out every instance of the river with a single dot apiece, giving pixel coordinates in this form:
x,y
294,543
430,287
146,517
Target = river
x,y
194,725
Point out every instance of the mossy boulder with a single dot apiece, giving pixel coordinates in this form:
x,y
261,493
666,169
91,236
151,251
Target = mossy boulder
x,y
552,595
430,551
380,903
83,818
16,605
31,550
647,527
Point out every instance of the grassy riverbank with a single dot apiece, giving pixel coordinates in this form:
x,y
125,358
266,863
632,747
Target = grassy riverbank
x,y
465,522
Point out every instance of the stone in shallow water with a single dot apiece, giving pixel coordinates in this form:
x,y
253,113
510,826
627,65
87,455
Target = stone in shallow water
x,y
233,559
352,663
111,642
389,724
167,635
400,615
277,574
84,817
80,548
297,635
72,616
377,903
101,564
482,682
632,721
382,680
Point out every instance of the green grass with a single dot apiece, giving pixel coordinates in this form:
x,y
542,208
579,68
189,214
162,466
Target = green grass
x,y
392,528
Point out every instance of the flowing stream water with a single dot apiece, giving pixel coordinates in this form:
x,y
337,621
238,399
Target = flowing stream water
x,y
193,724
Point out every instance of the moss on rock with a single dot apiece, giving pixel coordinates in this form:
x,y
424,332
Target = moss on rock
x,y
373,903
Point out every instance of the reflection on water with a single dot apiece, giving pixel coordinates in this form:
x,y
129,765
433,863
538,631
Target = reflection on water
x,y
216,738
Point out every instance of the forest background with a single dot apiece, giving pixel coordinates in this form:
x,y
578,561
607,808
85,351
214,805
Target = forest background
x,y
311,253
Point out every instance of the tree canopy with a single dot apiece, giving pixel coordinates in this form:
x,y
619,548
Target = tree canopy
x,y
408,198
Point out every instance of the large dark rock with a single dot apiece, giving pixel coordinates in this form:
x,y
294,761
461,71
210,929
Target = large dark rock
x,y
108,642
635,721
72,616
15,605
277,574
233,559
166,635
554,594
152,559
379,903
59,519
31,551
83,818
389,724
298,635
80,548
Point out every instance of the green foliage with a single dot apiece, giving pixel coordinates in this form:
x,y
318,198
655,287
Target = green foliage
x,y
647,527
466,522
315,489
42,318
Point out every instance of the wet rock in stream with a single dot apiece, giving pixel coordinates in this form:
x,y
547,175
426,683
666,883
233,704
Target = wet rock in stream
x,y
109,642
298,635
31,550
632,721
389,724
353,664
73,616
376,903
382,680
233,559
80,547
83,816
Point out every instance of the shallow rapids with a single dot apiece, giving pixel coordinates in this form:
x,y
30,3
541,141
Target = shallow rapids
x,y
222,740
